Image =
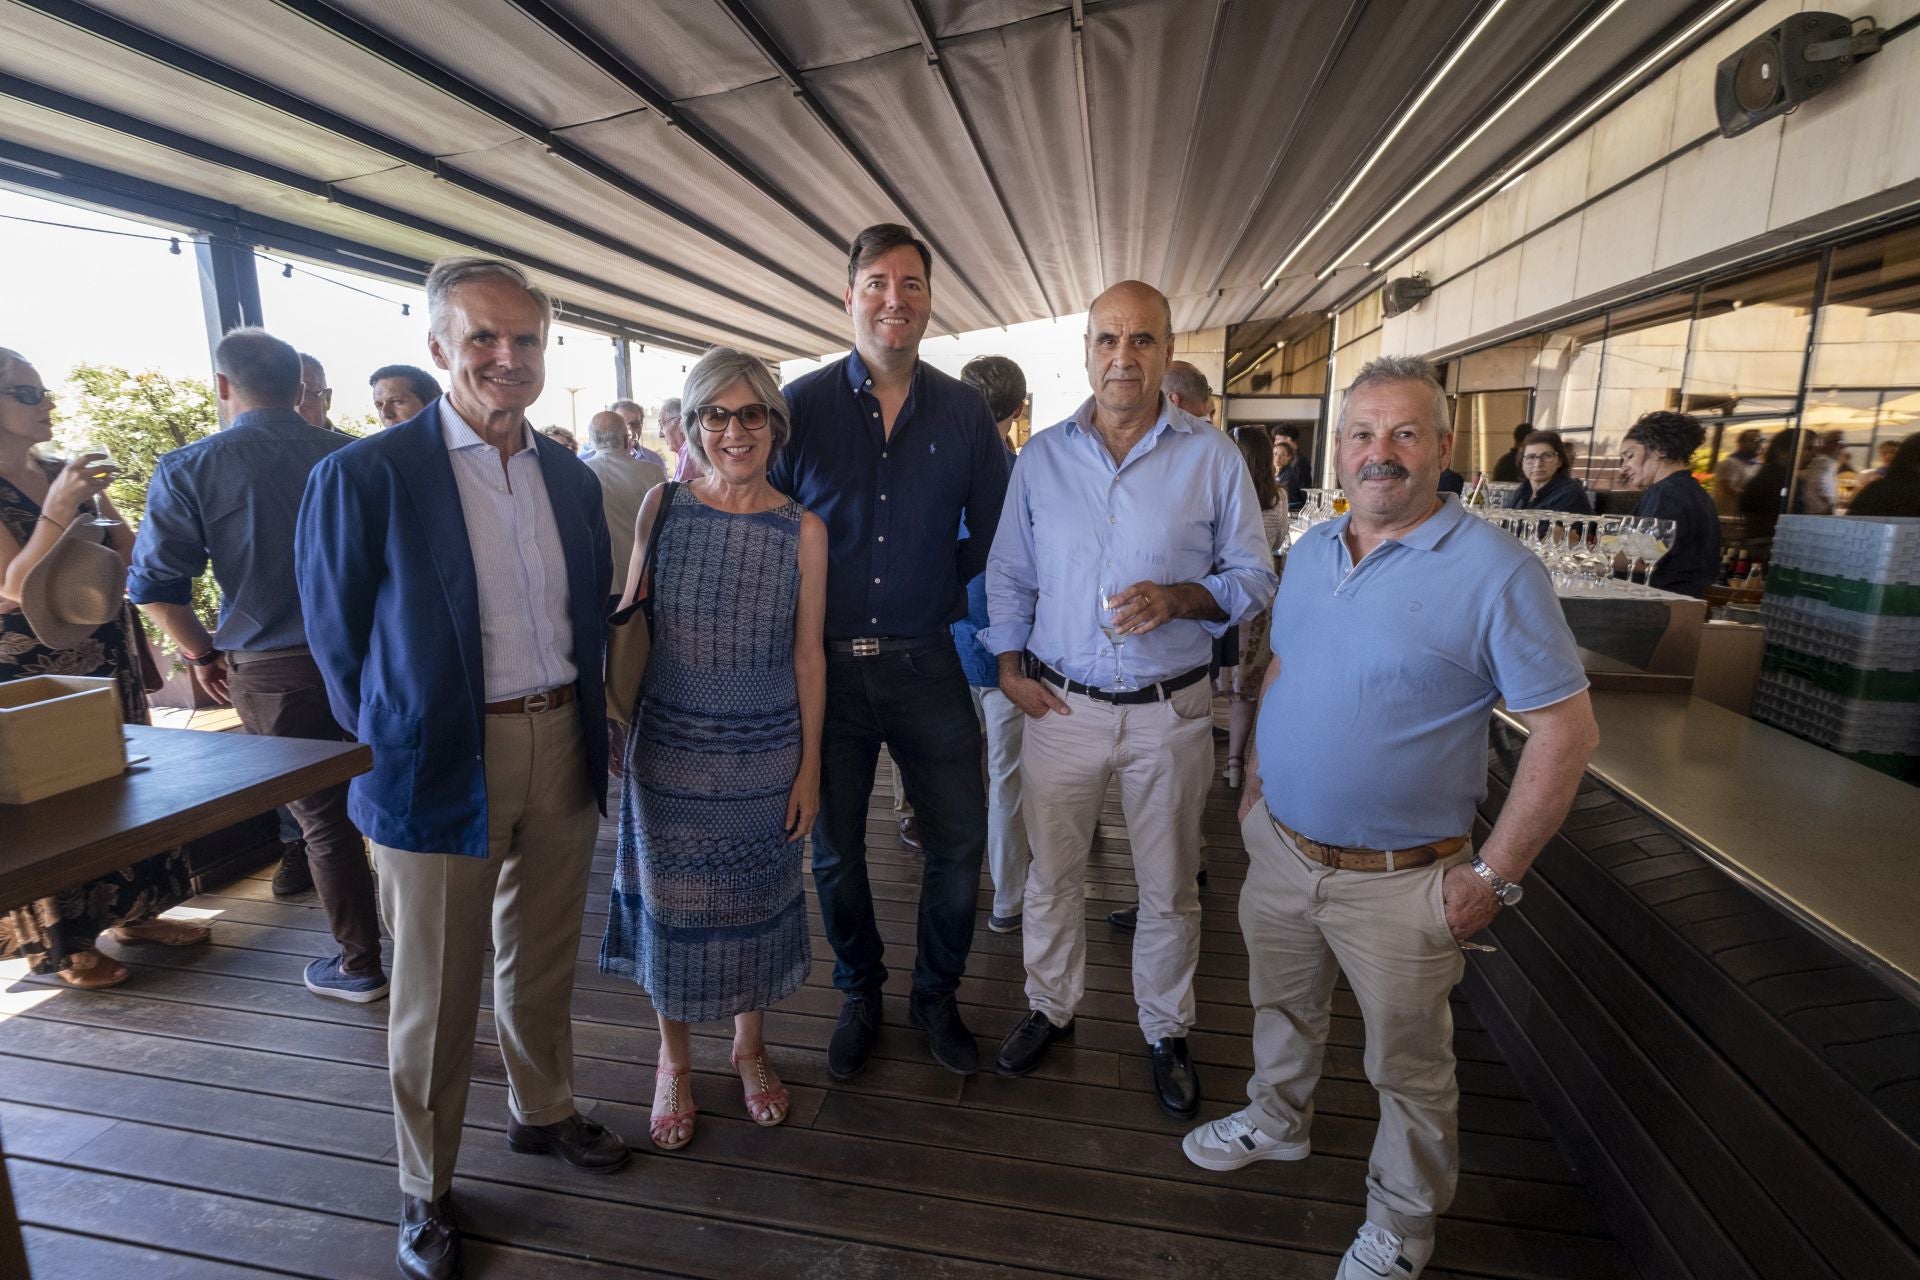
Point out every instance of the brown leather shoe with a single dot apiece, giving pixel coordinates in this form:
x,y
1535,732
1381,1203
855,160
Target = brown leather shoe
x,y
585,1144
910,833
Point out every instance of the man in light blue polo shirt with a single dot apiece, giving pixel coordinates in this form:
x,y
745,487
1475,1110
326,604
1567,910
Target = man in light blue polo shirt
x,y
1396,630
1129,539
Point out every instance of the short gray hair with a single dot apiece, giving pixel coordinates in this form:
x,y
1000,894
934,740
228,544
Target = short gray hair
x,y
262,368
449,274
670,408
1184,380
719,369
607,429
1385,369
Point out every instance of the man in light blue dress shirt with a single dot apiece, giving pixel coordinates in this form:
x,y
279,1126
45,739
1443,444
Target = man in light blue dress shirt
x,y
1133,494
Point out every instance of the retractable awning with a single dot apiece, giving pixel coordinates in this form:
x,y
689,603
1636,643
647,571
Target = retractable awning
x,y
693,169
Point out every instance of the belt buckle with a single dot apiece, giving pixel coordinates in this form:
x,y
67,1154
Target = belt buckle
x,y
866,646
535,703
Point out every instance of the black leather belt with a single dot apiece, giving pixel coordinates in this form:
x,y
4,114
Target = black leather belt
x,y
1159,692
873,646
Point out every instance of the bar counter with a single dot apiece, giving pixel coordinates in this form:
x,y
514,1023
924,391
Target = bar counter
x,y
1712,991
1828,840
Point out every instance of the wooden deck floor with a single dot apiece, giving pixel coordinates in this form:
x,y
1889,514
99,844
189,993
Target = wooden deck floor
x,y
212,1120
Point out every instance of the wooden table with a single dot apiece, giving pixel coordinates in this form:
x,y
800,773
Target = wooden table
x,y
192,784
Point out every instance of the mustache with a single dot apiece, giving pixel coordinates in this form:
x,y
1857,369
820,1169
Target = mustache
x,y
1384,471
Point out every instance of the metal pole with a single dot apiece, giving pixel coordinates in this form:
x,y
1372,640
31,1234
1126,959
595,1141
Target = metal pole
x,y
229,286
622,369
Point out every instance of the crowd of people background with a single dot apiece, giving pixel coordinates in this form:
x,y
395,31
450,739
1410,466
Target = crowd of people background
x,y
855,562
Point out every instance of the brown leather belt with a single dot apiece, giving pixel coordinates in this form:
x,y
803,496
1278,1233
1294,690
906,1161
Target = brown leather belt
x,y
1343,858
533,704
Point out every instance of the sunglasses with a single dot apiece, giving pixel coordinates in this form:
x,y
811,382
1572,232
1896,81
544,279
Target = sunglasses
x,y
30,395
713,418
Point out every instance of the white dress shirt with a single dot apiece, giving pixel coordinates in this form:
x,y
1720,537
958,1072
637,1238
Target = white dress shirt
x,y
526,636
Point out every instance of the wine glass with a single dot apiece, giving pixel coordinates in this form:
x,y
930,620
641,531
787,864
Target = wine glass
x,y
1339,502
1612,542
1109,597
103,464
1659,541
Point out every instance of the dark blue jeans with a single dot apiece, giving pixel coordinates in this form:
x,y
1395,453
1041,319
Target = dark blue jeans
x,y
917,704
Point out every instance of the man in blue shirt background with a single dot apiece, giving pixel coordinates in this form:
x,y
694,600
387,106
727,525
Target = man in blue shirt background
x,y
1004,385
234,498
893,455
1396,630
1132,515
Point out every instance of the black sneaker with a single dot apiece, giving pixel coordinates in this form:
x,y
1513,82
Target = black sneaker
x,y
853,1035
1027,1044
1126,919
293,875
948,1039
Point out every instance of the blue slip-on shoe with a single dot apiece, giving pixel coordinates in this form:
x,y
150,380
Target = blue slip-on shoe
x,y
325,977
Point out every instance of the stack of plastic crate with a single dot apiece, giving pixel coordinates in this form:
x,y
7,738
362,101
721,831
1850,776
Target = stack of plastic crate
x,y
1842,614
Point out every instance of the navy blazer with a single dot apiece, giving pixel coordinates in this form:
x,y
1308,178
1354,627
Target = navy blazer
x,y
393,618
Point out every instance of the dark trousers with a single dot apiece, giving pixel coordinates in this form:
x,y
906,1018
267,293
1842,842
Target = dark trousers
x,y
284,698
917,704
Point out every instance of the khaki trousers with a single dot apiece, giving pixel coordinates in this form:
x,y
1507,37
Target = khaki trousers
x,y
532,887
1387,931
1162,755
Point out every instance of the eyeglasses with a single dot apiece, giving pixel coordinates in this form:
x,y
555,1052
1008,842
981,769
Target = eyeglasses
x,y
714,417
34,395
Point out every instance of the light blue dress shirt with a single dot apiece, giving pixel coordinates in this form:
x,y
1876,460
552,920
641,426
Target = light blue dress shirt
x,y
526,636
1180,508
1374,732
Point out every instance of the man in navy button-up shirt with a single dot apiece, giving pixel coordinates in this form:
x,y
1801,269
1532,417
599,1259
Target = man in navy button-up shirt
x,y
233,498
893,455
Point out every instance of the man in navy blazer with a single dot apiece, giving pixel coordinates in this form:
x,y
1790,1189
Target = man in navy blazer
x,y
454,571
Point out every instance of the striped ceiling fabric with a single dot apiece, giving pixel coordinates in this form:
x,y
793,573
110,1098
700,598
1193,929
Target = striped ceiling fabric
x,y
695,168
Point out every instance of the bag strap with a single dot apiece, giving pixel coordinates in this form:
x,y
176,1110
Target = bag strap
x,y
653,540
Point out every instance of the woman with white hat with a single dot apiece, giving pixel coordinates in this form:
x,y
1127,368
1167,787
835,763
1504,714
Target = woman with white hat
x,y
63,612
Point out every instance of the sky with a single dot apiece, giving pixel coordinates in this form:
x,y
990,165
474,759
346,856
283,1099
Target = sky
x,y
79,296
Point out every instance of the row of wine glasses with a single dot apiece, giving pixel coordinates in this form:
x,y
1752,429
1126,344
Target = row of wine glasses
x,y
1587,551
1321,506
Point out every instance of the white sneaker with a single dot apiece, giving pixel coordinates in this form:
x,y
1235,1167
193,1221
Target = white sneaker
x,y
1232,1142
1377,1252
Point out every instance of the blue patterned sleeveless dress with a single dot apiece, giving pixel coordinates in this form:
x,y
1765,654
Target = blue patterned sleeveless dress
x,y
708,911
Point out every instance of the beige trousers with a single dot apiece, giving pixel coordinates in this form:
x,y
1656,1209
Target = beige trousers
x,y
1162,755
532,887
1387,931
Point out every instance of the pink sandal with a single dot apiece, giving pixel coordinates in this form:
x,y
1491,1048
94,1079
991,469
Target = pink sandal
x,y
668,1114
768,1106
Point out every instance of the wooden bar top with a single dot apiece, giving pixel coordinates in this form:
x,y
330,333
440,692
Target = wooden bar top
x,y
191,785
1830,841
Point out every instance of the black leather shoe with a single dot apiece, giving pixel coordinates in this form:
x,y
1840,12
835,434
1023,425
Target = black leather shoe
x,y
1174,1081
853,1035
429,1239
1126,920
1027,1043
948,1039
292,875
587,1145
910,834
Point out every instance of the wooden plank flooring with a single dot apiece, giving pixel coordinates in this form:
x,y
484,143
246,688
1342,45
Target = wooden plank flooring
x,y
211,1120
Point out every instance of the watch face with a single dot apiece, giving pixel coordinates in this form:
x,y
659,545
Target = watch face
x,y
1512,894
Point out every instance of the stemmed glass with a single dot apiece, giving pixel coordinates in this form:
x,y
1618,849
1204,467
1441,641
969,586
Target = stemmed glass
x,y
1109,598
1658,540
1612,543
48,451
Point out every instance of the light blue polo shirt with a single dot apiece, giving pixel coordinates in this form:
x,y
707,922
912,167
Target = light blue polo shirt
x,y
1374,733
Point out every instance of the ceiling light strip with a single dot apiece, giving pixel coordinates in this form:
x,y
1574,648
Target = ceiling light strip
x,y
1519,167
1513,100
1380,149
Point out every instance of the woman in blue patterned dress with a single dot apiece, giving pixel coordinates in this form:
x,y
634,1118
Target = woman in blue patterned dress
x,y
723,763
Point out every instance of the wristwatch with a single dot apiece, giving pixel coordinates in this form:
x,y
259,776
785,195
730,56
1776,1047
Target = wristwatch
x,y
206,659
1507,891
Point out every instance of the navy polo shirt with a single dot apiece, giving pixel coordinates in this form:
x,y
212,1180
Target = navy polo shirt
x,y
1374,732
892,504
